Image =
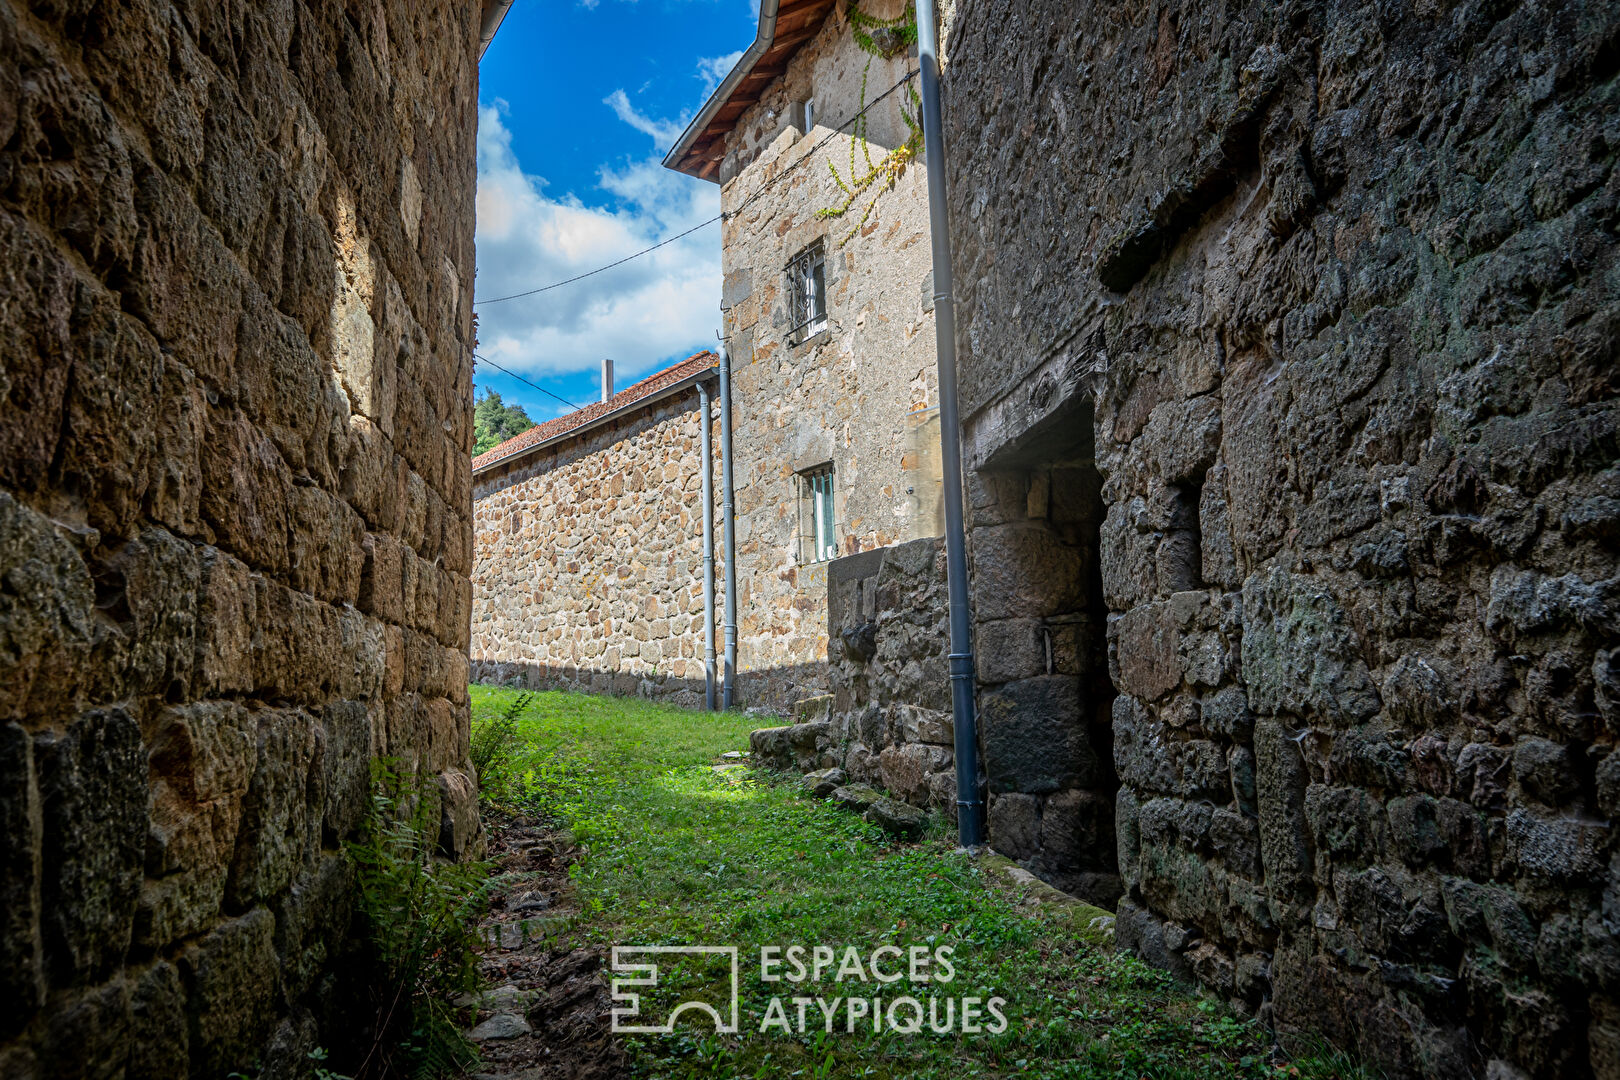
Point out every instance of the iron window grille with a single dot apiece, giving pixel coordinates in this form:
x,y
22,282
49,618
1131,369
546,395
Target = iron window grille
x,y
818,522
807,293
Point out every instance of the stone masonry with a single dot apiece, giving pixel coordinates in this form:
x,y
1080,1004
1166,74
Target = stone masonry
x,y
588,567
1316,306
236,258
859,396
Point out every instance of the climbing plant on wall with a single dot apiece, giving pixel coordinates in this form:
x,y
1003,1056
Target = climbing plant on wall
x,y
882,38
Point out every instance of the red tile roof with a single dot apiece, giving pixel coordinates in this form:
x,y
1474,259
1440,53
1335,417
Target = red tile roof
x,y
624,399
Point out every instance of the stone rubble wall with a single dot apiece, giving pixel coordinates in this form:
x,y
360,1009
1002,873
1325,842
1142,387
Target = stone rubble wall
x,y
886,720
236,258
862,395
588,560
1335,288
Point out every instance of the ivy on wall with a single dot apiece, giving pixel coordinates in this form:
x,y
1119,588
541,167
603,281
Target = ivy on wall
x,y
882,38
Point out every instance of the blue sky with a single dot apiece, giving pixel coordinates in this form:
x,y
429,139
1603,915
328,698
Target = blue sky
x,y
578,103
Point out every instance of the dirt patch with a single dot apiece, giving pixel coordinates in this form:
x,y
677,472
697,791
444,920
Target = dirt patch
x,y
547,1014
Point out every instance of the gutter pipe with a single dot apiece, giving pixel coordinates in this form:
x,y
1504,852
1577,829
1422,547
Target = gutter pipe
x,y
728,518
707,458
969,804
494,11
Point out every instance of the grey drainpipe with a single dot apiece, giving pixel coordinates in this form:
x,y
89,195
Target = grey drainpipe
x,y
707,457
729,524
970,807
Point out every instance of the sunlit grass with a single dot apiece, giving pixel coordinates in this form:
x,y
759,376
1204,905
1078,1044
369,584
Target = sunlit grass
x,y
674,853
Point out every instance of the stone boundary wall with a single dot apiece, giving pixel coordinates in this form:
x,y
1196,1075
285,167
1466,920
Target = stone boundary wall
x,y
588,559
236,255
886,721
1336,284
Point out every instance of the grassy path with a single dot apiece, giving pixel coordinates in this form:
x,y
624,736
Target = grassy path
x,y
674,853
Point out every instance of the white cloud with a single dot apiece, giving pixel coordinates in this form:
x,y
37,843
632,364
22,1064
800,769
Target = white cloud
x,y
712,69
662,132
640,313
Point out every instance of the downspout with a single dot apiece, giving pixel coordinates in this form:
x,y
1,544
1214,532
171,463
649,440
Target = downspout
x,y
728,519
969,805
707,458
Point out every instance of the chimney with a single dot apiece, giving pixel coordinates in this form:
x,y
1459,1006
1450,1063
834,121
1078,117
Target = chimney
x,y
607,379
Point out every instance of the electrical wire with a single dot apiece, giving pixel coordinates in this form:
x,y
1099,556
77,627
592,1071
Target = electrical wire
x,y
704,224
521,379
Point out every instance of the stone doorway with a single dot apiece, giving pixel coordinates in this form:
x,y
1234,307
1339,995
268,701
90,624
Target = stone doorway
x,y
1045,696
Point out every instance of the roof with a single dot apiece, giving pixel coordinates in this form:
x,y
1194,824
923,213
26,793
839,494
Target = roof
x,y
784,27
689,370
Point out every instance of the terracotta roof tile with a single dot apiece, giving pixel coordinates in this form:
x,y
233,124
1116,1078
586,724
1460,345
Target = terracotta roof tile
x,y
624,399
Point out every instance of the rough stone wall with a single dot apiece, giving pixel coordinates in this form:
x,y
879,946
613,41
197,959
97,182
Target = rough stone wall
x,y
886,720
236,243
860,395
1336,287
588,560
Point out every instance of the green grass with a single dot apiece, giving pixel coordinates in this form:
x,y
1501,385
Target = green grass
x,y
675,854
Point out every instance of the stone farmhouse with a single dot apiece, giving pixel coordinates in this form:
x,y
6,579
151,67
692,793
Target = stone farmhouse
x,y
589,544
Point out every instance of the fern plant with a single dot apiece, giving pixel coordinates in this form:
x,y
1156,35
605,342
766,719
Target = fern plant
x,y
492,744
420,915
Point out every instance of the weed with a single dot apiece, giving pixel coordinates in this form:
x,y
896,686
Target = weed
x,y
420,917
493,744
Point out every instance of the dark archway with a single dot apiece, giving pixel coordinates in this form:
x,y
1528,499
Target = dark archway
x,y
1045,693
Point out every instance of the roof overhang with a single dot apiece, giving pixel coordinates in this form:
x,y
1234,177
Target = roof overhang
x,y
701,375
490,21
784,27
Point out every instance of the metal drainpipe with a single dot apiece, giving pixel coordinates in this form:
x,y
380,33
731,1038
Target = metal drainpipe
x,y
728,518
707,458
970,807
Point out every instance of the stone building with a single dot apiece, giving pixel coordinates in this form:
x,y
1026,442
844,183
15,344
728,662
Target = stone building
x,y
828,318
588,545
236,260
1287,340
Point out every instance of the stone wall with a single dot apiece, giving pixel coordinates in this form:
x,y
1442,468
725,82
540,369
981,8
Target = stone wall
x,y
861,395
886,719
236,251
588,559
1334,288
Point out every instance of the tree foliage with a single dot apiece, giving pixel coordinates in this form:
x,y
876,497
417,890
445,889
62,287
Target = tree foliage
x,y
494,421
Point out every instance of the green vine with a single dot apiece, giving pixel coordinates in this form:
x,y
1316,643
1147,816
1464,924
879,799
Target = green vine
x,y
882,38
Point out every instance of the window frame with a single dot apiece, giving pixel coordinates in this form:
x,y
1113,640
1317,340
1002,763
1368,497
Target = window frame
x,y
806,276
818,514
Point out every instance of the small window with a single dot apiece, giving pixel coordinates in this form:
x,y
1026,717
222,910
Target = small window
x,y
807,293
818,529
809,115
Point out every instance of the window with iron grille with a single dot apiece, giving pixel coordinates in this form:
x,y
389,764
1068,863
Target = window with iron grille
x,y
807,293
818,526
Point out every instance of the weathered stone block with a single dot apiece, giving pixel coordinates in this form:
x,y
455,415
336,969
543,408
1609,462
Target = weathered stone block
x,y
233,977
1014,825
823,782
905,769
1300,654
46,599
1034,737
93,806
22,961
1147,640
279,828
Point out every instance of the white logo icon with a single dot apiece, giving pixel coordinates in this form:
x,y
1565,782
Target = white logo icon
x,y
648,976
